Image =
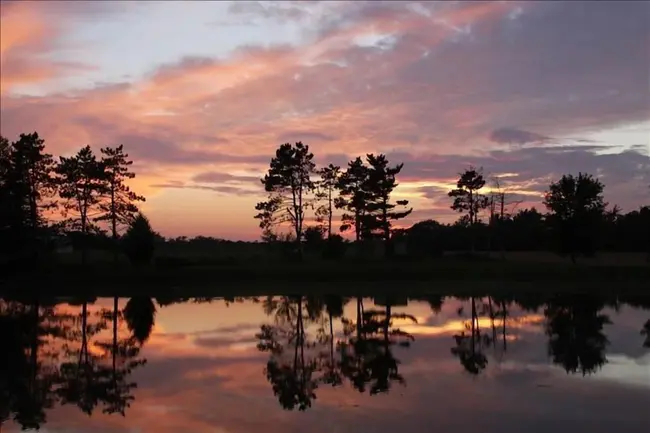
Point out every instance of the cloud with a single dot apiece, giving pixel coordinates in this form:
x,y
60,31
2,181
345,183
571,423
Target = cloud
x,y
432,84
30,32
517,136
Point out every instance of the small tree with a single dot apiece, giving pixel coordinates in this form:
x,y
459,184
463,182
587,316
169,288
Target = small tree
x,y
576,211
329,177
289,185
467,197
82,185
139,241
120,208
352,199
380,185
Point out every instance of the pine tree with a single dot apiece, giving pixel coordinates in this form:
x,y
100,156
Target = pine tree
x,y
467,197
329,177
380,185
27,190
119,208
289,185
82,185
352,198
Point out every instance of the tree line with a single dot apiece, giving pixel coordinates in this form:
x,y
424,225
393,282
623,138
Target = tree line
x,y
577,220
85,188
318,204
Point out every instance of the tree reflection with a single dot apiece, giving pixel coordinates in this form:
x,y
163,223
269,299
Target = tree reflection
x,y
49,358
291,371
469,348
367,356
574,325
334,308
123,356
79,374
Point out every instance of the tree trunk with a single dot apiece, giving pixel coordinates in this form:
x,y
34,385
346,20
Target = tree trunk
x,y
114,226
329,216
84,233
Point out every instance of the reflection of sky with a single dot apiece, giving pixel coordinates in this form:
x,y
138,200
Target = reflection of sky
x,y
205,375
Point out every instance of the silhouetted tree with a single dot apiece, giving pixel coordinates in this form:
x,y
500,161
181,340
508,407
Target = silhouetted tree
x,y
313,238
139,241
289,185
27,188
120,207
576,210
82,185
467,197
327,185
380,184
353,198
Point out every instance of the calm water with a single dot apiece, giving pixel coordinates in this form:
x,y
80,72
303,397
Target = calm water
x,y
326,365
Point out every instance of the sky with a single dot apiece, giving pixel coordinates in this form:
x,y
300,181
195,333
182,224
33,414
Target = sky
x,y
204,374
202,93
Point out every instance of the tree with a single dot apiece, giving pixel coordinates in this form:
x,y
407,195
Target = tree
x,y
576,210
289,184
139,241
352,197
329,177
380,184
82,185
120,209
467,197
313,238
27,189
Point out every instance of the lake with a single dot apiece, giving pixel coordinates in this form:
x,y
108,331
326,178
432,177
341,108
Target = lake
x,y
326,364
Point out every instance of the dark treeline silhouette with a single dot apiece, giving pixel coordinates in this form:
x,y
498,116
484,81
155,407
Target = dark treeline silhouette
x,y
55,358
577,221
46,204
82,203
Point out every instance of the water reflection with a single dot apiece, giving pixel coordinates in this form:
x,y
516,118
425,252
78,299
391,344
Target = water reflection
x,y
91,354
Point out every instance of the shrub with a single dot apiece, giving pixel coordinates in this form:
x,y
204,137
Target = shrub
x,y
138,242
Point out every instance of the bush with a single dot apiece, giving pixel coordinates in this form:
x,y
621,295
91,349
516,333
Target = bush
x,y
138,242
335,248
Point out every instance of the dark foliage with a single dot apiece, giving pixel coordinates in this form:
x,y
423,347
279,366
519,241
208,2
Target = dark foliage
x,y
139,241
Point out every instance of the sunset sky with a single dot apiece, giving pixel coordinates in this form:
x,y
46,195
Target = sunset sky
x,y
201,93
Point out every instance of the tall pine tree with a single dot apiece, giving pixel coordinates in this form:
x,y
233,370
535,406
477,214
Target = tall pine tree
x,y
82,185
381,182
352,198
119,208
